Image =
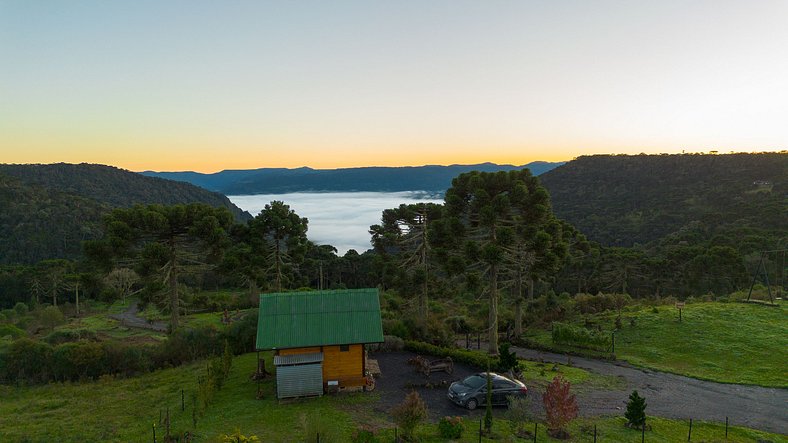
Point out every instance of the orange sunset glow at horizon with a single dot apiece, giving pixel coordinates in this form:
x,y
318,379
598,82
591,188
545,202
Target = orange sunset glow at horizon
x,y
176,86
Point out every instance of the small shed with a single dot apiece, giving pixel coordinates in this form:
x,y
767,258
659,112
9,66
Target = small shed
x,y
318,338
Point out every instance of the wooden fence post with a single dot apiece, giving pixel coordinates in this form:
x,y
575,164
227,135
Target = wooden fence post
x,y
689,434
726,428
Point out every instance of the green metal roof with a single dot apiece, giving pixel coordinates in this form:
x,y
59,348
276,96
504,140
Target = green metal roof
x,y
319,318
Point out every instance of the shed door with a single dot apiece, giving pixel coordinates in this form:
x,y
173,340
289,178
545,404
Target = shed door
x,y
299,380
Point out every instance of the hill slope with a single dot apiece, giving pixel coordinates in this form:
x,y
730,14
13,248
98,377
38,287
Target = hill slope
x,y
622,200
430,178
47,210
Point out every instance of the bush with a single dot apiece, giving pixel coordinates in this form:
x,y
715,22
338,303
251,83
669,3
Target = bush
x,y
507,359
564,333
27,360
408,414
593,304
50,317
11,331
472,358
364,435
560,406
519,413
69,335
21,309
390,343
451,427
317,423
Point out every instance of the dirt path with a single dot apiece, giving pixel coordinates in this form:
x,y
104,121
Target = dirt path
x,y
667,395
676,396
130,319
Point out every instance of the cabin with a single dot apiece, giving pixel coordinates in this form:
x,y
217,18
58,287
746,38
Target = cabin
x,y
318,338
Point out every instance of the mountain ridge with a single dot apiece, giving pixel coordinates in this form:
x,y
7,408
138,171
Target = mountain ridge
x,y
433,178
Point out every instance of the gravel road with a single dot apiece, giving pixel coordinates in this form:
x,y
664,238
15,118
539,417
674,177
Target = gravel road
x,y
130,319
667,395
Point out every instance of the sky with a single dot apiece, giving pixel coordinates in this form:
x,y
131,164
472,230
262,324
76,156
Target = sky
x,y
207,85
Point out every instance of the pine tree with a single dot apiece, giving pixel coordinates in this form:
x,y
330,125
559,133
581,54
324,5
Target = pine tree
x,y
636,410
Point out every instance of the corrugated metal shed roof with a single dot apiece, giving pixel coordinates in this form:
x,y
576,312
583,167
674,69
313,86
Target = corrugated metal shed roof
x,y
319,318
298,359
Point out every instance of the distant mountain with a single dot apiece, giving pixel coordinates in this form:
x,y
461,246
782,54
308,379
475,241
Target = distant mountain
x,y
621,200
47,210
431,178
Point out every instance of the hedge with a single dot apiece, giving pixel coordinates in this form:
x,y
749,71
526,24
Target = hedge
x,y
472,358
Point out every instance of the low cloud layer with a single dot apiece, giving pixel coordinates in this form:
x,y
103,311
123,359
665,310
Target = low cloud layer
x,y
341,219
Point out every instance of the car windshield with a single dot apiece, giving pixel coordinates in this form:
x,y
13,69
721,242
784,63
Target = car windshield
x,y
474,381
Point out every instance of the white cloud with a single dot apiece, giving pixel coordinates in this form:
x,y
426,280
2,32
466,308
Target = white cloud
x,y
341,219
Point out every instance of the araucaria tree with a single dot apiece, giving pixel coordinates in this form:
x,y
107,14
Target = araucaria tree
x,y
636,410
164,241
403,236
560,406
497,225
285,233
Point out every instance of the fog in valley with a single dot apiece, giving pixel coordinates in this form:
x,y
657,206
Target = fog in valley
x,y
341,219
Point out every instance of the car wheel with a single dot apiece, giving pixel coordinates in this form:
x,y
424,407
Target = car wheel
x,y
472,404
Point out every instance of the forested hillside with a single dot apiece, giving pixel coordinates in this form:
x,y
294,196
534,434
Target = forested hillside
x,y
114,186
620,200
47,210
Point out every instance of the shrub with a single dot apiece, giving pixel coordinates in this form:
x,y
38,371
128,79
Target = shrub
x,y
242,334
11,331
364,435
69,335
564,333
237,437
396,328
317,423
636,410
408,414
21,309
51,317
560,406
28,360
451,427
507,359
519,413
472,358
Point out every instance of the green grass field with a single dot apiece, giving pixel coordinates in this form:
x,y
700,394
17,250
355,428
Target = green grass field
x,y
125,410
726,342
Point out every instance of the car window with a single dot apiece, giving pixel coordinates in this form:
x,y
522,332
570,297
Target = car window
x,y
474,381
501,384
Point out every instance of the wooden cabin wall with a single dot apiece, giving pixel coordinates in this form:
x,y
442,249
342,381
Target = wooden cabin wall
x,y
347,367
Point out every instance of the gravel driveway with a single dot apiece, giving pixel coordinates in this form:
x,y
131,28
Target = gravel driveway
x,y
667,395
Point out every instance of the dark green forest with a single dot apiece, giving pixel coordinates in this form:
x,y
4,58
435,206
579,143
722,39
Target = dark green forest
x,y
48,210
621,200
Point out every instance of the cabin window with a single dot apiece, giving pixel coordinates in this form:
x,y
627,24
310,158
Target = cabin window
x,y
344,348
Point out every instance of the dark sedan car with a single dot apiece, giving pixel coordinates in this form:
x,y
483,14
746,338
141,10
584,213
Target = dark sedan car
x,y
472,391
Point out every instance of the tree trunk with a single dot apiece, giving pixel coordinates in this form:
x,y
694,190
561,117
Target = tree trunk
x,y
278,268
423,299
253,290
518,317
173,282
76,291
493,333
518,305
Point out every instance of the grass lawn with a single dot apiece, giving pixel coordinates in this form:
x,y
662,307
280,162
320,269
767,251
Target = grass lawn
x,y
125,410
726,342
